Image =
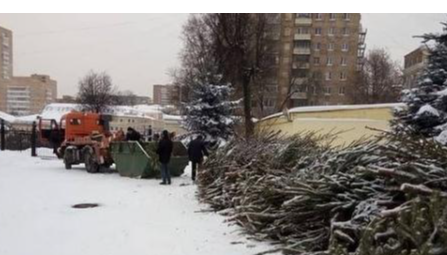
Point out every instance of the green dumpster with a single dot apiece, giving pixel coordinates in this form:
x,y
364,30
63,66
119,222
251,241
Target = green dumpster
x,y
139,159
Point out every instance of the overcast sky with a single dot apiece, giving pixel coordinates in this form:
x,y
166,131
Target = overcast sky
x,y
138,50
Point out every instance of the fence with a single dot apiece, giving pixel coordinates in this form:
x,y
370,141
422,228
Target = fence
x,y
19,140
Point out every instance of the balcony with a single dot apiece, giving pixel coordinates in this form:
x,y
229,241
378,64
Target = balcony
x,y
300,65
301,51
299,81
298,37
299,95
303,21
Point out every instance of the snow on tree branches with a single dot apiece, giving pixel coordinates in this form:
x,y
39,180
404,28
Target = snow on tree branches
x,y
210,112
426,113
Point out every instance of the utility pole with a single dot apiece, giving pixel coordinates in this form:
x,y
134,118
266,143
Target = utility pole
x,y
2,135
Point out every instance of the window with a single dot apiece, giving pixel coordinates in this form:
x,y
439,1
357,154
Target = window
x,y
269,102
343,61
345,31
302,44
272,59
318,31
75,122
318,16
345,47
331,31
303,15
343,76
302,30
301,58
288,16
317,46
346,16
329,61
302,74
328,76
316,60
327,90
341,91
287,31
332,16
330,47
286,60
287,46
274,18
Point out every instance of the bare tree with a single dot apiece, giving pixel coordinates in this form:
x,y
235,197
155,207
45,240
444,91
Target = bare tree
x,y
239,47
227,48
198,65
379,80
311,89
95,92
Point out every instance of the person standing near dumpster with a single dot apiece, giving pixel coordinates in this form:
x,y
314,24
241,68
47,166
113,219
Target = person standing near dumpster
x,y
164,151
196,151
132,135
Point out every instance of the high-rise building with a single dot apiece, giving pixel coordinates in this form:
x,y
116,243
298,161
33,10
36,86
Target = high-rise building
x,y
5,62
5,53
414,64
317,58
29,95
21,95
161,94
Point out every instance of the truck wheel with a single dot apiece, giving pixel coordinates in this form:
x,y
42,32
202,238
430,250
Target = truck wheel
x,y
68,159
90,165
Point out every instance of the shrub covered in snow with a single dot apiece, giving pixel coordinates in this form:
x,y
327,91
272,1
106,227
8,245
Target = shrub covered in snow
x,y
426,113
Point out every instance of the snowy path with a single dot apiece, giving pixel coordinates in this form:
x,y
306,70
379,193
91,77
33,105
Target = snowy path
x,y
135,217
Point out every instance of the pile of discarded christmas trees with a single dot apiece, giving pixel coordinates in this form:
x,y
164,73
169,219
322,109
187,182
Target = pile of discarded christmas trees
x,y
386,195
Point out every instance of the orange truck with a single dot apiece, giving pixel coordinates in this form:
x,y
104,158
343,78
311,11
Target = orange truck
x,y
79,138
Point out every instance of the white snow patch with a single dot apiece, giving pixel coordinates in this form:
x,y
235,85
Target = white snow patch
x,y
57,110
134,217
6,117
428,109
338,108
442,138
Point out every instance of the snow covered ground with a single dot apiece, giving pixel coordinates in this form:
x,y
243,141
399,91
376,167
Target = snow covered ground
x,y
134,217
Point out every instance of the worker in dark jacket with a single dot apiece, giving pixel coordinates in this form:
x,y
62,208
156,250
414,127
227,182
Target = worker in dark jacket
x,y
196,151
164,151
132,135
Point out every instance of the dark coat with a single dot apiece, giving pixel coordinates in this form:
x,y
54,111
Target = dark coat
x,y
164,150
196,150
133,136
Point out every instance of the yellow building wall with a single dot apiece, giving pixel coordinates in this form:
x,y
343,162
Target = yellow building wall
x,y
352,123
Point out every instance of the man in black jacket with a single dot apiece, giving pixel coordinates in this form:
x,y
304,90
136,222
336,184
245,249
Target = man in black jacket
x,y
132,135
196,151
164,151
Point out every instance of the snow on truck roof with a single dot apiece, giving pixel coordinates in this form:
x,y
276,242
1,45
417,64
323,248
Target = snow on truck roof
x,y
6,117
336,108
57,110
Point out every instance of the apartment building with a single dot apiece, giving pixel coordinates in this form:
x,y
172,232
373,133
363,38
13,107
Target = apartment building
x,y
161,94
320,57
414,64
21,95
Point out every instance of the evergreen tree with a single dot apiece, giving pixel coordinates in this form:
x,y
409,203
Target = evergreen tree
x,y
426,111
210,112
